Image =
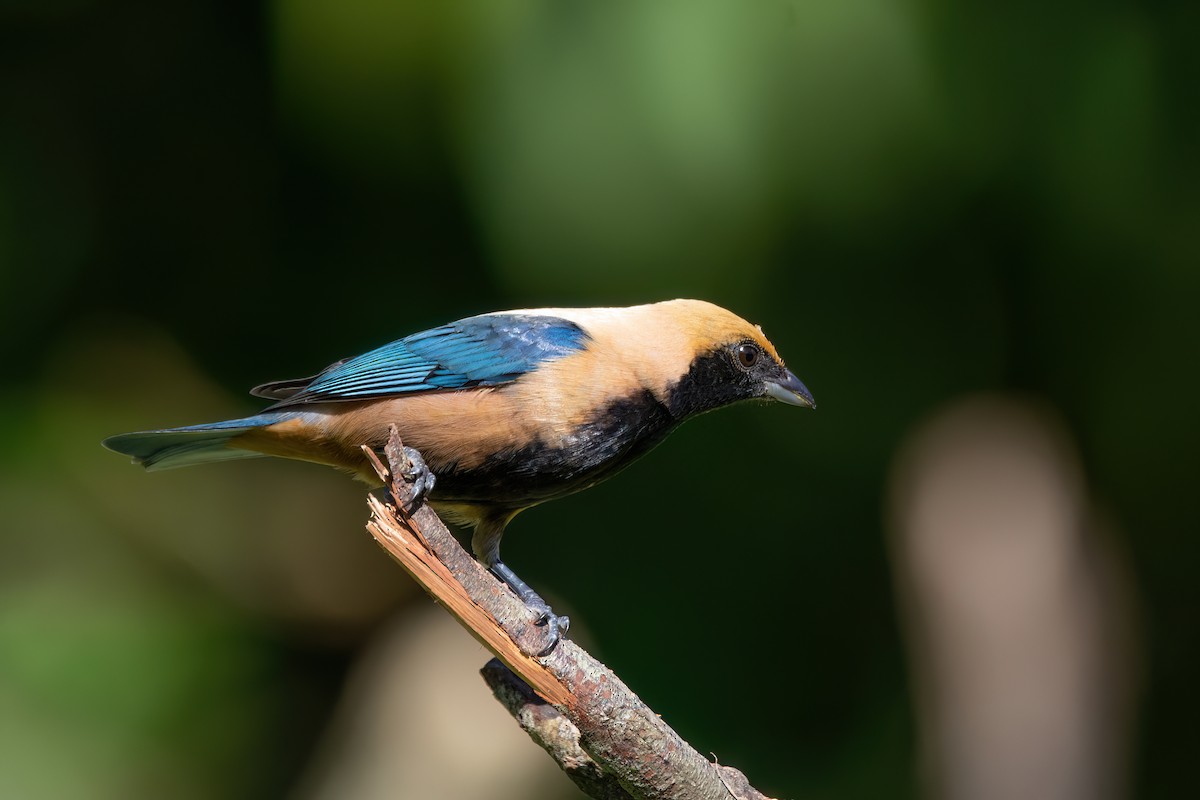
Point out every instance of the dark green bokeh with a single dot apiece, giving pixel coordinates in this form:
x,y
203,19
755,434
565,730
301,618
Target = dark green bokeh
x,y
915,200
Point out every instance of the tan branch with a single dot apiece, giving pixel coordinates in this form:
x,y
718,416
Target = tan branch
x,y
598,731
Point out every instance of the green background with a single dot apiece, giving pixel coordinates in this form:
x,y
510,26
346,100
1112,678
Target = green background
x,y
916,200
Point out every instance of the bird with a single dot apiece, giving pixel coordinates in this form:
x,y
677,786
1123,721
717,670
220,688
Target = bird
x,y
503,411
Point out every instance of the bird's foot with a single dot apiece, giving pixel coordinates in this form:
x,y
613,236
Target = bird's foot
x,y
420,476
556,626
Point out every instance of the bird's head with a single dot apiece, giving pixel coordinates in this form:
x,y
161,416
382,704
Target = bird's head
x,y
720,358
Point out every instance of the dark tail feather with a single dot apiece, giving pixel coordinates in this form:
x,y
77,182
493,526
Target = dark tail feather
x,y
195,444
281,390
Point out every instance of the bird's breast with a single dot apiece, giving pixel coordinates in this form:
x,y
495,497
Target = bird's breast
x,y
558,461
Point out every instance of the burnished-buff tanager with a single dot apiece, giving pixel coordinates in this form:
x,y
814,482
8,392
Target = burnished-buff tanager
x,y
506,410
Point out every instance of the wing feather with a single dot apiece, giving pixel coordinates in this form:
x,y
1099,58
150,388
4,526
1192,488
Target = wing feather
x,y
487,350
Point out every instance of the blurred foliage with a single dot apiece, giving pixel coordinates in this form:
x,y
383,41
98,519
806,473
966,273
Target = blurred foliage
x,y
916,200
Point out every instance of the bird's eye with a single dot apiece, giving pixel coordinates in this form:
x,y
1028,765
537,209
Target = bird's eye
x,y
747,355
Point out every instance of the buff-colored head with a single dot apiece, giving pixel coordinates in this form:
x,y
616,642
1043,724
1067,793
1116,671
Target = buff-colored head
x,y
693,355
730,359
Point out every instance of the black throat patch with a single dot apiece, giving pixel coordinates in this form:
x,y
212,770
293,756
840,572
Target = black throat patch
x,y
711,381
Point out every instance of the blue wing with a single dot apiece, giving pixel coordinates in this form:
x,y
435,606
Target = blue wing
x,y
487,350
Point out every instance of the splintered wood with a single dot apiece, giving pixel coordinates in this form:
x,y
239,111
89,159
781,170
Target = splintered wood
x,y
396,532
600,733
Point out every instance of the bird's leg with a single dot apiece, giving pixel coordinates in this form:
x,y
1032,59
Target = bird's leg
x,y
556,626
486,544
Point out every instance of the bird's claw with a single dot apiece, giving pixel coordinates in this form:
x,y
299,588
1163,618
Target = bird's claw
x,y
419,475
556,626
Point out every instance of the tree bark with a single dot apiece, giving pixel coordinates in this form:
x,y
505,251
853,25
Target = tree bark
x,y
600,734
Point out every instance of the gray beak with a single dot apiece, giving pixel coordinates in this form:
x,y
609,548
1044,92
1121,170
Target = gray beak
x,y
790,390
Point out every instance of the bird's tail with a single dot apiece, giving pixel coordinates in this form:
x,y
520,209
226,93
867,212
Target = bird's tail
x,y
195,444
